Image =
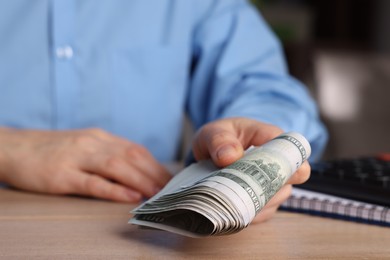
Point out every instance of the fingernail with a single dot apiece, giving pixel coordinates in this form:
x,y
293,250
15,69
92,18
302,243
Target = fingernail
x,y
133,195
226,152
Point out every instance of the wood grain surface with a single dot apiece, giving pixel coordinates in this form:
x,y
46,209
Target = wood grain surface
x,y
34,226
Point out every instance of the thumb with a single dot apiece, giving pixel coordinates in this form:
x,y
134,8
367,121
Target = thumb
x,y
219,144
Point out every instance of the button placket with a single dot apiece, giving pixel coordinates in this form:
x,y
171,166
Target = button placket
x,y
64,52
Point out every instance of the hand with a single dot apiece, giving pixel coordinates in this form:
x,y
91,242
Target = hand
x,y
88,162
224,141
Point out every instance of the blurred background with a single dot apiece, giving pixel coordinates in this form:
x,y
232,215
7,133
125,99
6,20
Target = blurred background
x,y
341,51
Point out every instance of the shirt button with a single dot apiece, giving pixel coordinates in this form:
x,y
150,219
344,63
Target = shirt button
x,y
64,52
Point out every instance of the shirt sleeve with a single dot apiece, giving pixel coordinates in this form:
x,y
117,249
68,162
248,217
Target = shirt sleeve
x,y
239,71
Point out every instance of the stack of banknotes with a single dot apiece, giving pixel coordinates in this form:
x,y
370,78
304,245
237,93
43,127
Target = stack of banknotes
x,y
203,200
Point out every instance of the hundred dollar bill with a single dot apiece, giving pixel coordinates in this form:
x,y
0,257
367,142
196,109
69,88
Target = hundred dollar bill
x,y
202,200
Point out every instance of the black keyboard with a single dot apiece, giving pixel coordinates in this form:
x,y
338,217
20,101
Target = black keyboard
x,y
363,179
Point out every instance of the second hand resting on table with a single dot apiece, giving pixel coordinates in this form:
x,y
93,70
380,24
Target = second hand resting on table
x,y
95,163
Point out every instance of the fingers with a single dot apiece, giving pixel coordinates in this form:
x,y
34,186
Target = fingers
x,y
138,157
98,187
117,170
225,140
144,162
119,160
264,215
218,143
128,165
252,132
271,207
301,175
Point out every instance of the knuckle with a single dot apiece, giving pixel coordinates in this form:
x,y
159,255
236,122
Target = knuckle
x,y
84,140
95,131
136,151
218,139
113,163
89,137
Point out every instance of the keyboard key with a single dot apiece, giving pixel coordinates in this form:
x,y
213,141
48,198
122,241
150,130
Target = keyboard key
x,y
364,179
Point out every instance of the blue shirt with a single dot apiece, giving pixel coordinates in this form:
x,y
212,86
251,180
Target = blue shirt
x,y
135,67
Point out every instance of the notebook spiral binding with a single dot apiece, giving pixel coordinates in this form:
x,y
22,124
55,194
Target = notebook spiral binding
x,y
340,208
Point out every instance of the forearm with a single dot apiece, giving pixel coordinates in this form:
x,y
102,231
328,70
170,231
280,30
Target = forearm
x,y
281,102
249,78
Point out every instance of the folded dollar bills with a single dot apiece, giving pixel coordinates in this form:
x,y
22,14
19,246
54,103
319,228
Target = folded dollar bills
x,y
202,200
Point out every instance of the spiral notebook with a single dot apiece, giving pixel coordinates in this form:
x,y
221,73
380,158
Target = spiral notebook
x,y
325,205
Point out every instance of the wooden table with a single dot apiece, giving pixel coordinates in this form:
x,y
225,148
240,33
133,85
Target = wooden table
x,y
37,226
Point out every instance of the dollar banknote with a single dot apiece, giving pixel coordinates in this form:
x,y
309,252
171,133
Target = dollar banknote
x,y
203,200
